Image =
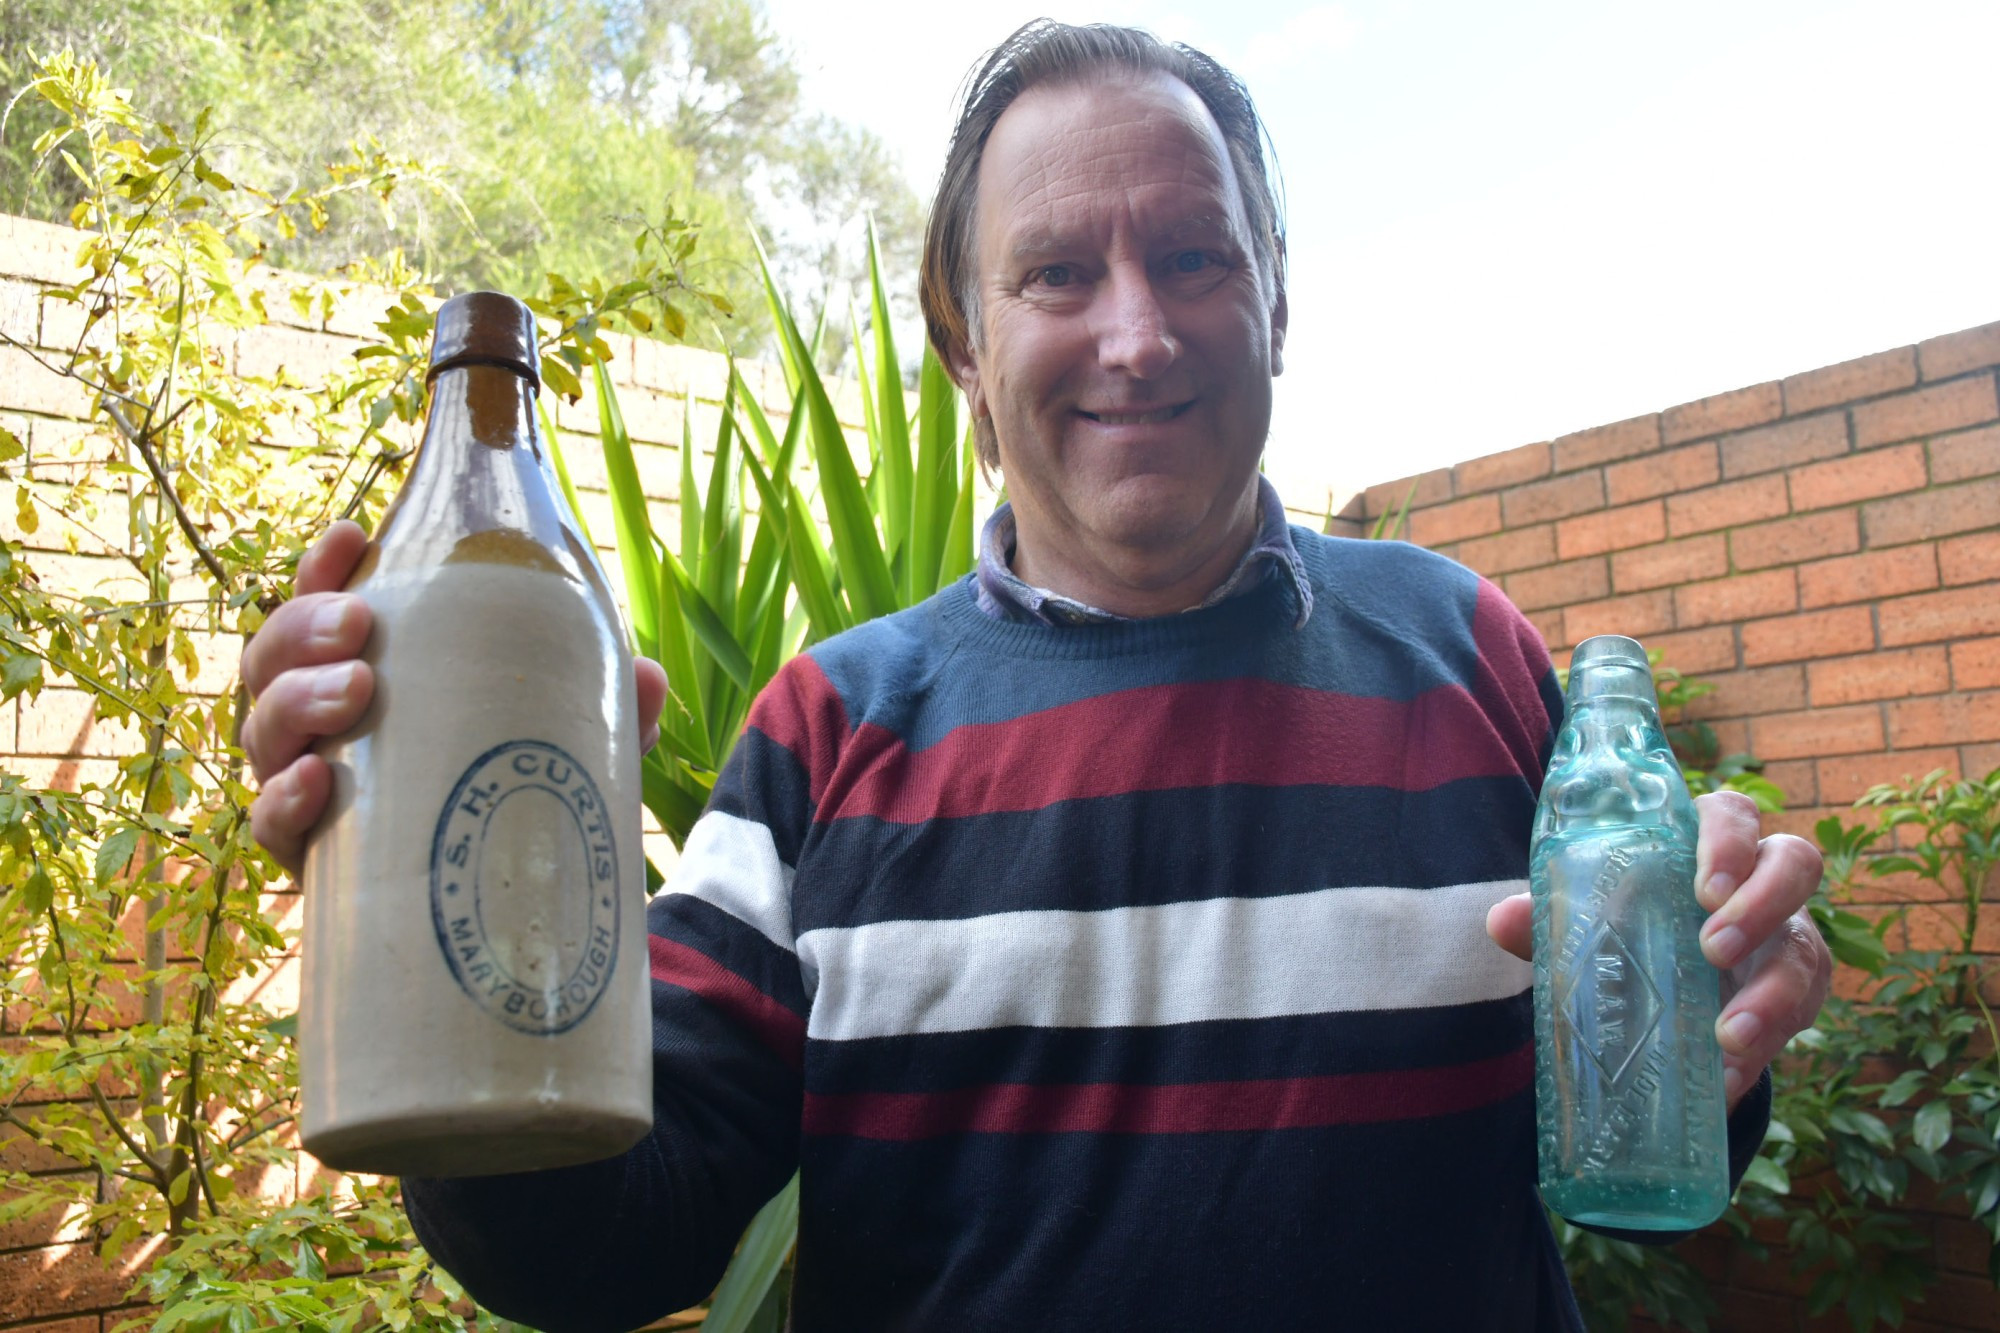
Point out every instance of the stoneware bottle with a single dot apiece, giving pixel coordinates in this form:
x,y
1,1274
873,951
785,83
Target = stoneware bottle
x,y
475,990
1628,1075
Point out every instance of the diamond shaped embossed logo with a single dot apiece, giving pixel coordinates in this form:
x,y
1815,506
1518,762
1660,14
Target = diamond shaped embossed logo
x,y
1615,1014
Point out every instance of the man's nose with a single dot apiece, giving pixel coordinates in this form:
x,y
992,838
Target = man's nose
x,y
1133,332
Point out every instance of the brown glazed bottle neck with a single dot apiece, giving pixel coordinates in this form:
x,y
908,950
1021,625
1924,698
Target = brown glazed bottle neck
x,y
479,488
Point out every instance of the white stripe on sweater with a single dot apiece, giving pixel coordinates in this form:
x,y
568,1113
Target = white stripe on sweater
x,y
1326,951
732,864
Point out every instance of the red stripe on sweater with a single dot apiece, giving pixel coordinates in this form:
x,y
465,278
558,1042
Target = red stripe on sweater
x,y
1185,1108
1512,661
774,1025
802,711
1162,737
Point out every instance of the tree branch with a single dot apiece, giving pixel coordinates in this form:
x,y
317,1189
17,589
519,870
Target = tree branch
x,y
138,440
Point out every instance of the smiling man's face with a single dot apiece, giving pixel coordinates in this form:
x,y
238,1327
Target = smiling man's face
x,y
1128,340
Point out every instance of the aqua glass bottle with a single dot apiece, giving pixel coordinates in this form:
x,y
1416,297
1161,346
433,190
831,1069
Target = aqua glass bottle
x,y
1628,1074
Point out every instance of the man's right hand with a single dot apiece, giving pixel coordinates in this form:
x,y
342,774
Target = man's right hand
x,y
304,670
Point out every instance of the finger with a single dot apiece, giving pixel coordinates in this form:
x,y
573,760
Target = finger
x,y
1787,873
1511,924
301,706
652,698
1779,993
315,625
328,562
1725,848
307,631
288,807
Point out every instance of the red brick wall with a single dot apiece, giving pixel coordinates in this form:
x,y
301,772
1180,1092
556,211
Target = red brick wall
x,y
1825,549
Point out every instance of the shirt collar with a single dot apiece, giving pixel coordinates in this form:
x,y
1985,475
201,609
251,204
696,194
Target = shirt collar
x,y
1006,596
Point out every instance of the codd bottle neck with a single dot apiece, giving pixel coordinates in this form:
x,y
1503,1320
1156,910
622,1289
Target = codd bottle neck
x,y
1612,765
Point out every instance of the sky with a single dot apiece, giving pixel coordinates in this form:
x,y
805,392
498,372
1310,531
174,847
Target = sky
x,y
1510,221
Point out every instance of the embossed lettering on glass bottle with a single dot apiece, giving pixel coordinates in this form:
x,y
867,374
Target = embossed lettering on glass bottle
x,y
475,994
1628,1075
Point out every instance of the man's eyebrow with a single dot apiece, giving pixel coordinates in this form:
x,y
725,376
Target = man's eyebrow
x,y
1034,244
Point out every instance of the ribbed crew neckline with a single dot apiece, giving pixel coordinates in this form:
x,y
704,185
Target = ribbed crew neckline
x,y
1261,609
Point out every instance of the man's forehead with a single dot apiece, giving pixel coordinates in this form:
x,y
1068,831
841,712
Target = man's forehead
x,y
1111,142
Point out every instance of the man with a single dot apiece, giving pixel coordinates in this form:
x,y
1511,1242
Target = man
x,y
1105,940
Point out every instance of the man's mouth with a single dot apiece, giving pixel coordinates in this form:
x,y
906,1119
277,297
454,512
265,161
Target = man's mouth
x,y
1153,417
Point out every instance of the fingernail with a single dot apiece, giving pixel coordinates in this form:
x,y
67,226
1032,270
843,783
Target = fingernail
x,y
1721,884
1740,1029
327,619
1724,947
1732,1081
331,683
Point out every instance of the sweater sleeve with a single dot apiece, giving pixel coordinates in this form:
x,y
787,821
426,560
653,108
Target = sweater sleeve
x,y
613,1244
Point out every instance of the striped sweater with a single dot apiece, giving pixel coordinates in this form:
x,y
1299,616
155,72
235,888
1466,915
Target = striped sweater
x,y
1126,976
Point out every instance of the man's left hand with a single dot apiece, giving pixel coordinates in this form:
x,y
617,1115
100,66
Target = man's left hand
x,y
1775,966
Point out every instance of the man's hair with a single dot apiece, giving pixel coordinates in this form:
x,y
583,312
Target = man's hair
x,y
1044,52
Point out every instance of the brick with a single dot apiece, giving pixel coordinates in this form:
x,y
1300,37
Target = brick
x,y
1926,411
1817,732
1946,719
1971,559
1960,1245
1970,453
1784,444
1697,651
1975,664
1603,444
1860,477
1869,576
1496,471
29,385
1549,624
1663,473
1951,354
1559,497
1725,411
60,722
1813,634
1505,552
1751,693
20,311
1843,779
1883,675
1729,505
1934,617
1559,585
1798,779
1636,616
1611,530
41,251
1473,517
1787,541
1979,760
1675,562
1960,1302
1864,377
657,418
1386,497
310,359
1938,512
1744,597
62,1279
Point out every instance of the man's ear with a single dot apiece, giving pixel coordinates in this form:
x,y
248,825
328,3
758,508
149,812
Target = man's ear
x,y
1281,313
964,368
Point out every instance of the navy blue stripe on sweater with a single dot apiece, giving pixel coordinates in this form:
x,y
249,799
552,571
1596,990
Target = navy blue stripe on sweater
x,y
1161,846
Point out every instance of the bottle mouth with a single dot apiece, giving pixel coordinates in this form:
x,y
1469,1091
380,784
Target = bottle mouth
x,y
485,329
1610,666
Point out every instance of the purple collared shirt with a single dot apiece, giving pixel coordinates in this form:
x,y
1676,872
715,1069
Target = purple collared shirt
x,y
1005,596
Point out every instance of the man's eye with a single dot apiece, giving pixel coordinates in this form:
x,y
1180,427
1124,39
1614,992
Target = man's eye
x,y
1053,275
1189,261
